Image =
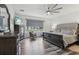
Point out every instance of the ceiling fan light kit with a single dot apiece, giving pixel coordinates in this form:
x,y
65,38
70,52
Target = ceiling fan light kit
x,y
48,13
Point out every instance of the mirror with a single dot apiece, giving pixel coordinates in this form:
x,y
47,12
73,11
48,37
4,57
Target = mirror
x,y
4,18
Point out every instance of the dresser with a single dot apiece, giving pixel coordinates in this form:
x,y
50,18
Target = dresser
x,y
8,45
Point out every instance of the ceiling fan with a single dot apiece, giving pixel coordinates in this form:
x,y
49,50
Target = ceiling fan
x,y
51,10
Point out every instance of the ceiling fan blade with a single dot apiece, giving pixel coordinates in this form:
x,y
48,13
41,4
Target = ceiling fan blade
x,y
54,6
58,8
43,13
56,12
51,13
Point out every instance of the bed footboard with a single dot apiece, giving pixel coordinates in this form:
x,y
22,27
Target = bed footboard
x,y
55,39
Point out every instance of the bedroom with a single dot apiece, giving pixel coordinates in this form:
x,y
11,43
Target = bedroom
x,y
42,29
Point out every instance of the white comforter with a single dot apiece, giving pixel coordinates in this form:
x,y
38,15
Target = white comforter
x,y
69,39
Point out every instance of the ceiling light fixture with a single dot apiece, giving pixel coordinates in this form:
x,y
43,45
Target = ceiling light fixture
x,y
48,13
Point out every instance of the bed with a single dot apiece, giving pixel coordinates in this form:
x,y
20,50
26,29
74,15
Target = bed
x,y
59,39
63,35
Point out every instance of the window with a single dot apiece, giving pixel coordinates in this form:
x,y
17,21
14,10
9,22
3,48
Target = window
x,y
17,20
34,25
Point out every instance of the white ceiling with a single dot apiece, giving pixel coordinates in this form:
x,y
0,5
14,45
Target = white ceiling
x,y
38,10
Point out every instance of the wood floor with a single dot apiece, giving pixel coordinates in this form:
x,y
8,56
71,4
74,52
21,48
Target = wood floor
x,y
41,47
29,46
74,48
